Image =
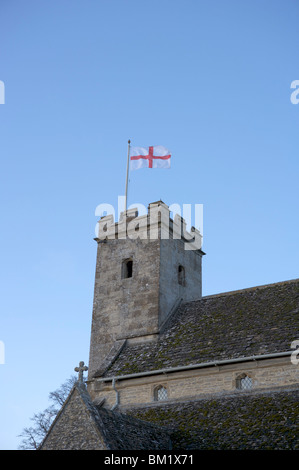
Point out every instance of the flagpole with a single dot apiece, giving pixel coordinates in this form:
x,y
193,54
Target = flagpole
x,y
126,196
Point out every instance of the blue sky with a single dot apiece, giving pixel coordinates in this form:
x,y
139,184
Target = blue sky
x,y
210,80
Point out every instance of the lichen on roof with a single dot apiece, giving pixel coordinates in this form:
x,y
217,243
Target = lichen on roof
x,y
256,321
245,421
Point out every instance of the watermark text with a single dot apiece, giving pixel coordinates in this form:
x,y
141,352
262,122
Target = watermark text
x,y
2,92
2,353
295,94
294,358
161,221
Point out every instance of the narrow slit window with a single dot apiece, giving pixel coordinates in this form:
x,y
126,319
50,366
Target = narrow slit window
x,y
127,268
181,275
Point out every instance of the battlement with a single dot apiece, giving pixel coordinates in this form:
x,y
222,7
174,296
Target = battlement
x,y
156,224
146,266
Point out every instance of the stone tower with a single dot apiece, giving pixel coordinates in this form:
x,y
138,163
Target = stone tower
x,y
145,267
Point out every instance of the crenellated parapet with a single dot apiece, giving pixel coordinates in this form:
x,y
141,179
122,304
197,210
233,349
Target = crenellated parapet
x,y
156,224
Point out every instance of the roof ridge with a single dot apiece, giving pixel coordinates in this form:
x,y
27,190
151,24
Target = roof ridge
x,y
251,322
85,397
247,289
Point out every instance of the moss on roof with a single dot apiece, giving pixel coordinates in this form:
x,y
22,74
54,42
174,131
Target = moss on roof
x,y
261,320
265,421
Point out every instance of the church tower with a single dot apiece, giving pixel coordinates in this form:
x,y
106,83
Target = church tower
x,y
146,266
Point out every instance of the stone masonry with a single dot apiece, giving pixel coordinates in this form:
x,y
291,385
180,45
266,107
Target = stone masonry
x,y
186,384
135,307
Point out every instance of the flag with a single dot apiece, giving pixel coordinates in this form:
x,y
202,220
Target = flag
x,y
150,157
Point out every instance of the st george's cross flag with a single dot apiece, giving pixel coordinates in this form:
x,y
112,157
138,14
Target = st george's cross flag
x,y
149,157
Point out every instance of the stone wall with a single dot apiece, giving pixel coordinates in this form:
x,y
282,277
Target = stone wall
x,y
172,255
190,383
136,307
123,307
73,429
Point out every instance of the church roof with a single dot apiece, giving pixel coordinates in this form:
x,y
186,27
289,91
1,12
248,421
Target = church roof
x,y
264,420
82,425
125,432
251,322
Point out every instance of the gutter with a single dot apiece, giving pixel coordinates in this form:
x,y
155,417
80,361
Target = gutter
x,y
117,394
201,365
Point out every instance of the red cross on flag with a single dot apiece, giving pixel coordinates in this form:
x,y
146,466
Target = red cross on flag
x,y
151,157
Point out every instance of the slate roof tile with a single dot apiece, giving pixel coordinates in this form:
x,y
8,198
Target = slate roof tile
x,y
254,321
264,420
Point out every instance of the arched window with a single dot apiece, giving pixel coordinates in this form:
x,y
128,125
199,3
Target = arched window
x,y
127,268
160,393
181,275
244,382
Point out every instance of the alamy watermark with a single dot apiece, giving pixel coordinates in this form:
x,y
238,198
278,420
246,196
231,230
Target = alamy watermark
x,y
174,221
294,358
295,94
2,353
2,92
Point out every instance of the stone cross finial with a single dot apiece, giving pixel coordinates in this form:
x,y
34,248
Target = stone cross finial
x,y
82,368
